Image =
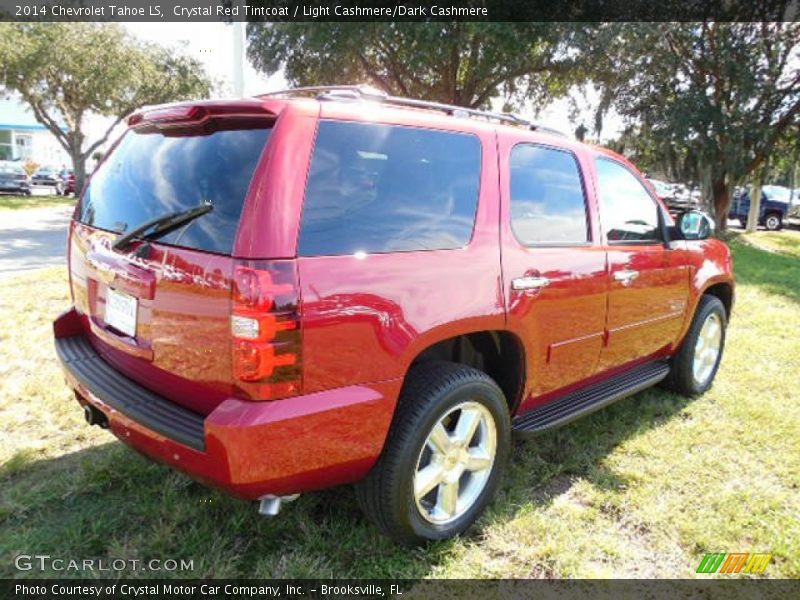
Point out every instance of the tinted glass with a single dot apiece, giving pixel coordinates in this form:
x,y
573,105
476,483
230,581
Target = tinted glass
x,y
627,211
11,169
382,188
547,202
152,174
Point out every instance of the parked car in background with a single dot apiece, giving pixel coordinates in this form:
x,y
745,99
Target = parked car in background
x,y
677,196
310,293
49,177
14,179
68,179
794,204
774,207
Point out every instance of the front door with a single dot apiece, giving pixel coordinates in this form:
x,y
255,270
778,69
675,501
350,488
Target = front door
x,y
648,284
554,267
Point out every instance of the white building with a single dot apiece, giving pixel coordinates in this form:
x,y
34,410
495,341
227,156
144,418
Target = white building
x,y
22,137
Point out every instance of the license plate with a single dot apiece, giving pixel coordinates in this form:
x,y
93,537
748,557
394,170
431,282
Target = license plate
x,y
121,312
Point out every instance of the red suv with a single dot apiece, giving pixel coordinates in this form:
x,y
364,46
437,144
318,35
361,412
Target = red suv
x,y
287,293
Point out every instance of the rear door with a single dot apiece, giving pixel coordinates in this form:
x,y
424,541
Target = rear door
x,y
554,267
648,282
398,245
159,311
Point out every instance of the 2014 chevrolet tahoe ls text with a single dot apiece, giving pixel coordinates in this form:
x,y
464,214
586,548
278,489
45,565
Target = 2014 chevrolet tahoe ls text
x,y
286,293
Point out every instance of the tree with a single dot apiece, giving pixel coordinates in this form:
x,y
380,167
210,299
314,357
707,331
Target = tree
x,y
67,71
660,159
784,168
725,92
467,64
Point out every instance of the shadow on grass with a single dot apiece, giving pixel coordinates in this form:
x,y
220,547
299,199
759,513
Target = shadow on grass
x,y
774,272
107,501
546,466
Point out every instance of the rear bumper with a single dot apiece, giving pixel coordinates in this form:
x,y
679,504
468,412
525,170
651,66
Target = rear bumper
x,y
246,448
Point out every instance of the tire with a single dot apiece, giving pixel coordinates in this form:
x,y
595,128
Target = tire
x,y
743,223
773,222
433,391
683,377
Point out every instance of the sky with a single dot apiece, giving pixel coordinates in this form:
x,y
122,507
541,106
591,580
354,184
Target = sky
x,y
213,45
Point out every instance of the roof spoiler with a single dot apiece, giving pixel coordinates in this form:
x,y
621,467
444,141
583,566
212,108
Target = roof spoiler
x,y
173,115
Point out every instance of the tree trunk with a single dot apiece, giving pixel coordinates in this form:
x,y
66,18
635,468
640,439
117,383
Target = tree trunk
x,y
755,203
759,178
707,192
755,207
79,167
721,194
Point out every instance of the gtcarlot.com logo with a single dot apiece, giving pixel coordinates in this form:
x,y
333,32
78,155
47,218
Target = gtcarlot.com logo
x,y
45,562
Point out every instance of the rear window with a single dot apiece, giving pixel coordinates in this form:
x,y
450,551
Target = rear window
x,y
11,169
154,173
383,188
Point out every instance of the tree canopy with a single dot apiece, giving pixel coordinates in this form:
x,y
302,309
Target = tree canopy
x,y
721,94
467,64
67,71
709,100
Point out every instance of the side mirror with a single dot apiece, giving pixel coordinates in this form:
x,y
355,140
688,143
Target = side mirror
x,y
695,225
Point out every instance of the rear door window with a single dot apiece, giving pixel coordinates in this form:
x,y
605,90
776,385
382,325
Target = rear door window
x,y
383,188
154,173
547,200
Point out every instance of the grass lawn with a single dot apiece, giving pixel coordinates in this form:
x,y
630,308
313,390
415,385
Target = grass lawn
x,y
20,202
641,489
776,241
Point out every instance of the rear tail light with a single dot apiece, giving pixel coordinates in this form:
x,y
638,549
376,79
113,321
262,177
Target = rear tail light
x,y
265,325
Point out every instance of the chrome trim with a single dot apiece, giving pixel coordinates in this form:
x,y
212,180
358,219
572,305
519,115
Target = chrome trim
x,y
529,283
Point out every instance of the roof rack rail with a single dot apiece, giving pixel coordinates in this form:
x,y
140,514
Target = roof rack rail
x,y
364,92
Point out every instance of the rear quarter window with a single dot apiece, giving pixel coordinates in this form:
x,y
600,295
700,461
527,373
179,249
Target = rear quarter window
x,y
150,174
382,188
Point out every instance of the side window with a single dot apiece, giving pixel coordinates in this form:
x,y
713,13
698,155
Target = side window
x,y
627,211
382,188
547,200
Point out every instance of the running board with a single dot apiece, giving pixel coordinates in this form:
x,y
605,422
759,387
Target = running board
x,y
589,399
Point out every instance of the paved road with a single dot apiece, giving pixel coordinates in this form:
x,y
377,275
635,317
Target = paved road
x,y
32,239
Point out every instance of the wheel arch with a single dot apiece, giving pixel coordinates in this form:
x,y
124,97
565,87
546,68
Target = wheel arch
x,y
498,353
724,291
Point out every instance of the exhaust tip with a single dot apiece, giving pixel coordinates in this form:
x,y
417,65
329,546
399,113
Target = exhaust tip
x,y
94,416
270,505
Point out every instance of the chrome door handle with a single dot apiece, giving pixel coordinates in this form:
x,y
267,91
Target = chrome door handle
x,y
626,276
529,283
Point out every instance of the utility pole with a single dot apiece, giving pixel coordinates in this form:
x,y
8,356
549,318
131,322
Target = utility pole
x,y
238,58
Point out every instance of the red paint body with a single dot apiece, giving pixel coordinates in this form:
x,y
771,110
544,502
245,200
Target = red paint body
x,y
364,319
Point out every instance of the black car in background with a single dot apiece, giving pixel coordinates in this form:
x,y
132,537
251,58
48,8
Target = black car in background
x,y
49,177
14,179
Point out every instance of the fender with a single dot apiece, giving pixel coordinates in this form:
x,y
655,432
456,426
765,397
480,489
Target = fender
x,y
710,263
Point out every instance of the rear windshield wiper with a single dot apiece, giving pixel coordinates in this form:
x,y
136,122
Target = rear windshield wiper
x,y
162,225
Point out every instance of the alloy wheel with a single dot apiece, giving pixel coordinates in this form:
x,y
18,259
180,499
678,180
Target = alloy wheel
x,y
455,463
707,348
